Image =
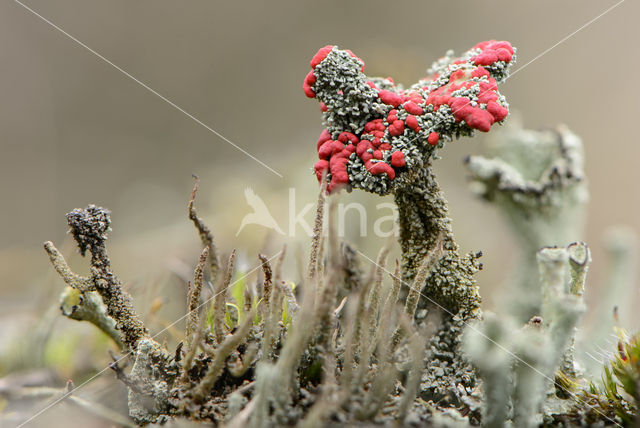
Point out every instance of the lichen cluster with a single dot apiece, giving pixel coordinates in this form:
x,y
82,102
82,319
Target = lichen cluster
x,y
382,138
378,133
270,361
536,179
519,366
408,347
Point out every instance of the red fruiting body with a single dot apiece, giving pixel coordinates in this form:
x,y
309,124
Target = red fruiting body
x,y
471,92
324,152
338,169
334,156
362,147
416,98
412,123
396,128
390,98
480,72
348,136
381,168
474,116
324,136
397,159
492,51
497,111
308,83
320,55
320,166
374,125
413,108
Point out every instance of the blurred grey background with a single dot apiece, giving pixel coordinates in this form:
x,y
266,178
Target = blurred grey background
x,y
74,130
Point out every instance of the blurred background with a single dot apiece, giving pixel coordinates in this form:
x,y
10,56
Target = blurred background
x,y
74,130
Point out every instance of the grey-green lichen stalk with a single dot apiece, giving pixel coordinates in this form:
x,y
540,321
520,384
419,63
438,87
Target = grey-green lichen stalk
x,y
382,138
536,178
528,374
89,228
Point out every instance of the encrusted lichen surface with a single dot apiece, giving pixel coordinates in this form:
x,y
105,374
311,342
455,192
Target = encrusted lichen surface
x,y
450,289
382,138
363,358
377,132
89,228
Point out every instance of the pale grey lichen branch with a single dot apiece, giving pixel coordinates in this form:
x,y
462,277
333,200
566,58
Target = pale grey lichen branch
x,y
148,372
579,261
537,180
89,228
520,367
562,304
88,306
484,344
70,278
79,300
531,373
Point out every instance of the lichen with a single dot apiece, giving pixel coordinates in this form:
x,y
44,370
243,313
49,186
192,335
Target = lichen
x,y
536,179
340,347
383,139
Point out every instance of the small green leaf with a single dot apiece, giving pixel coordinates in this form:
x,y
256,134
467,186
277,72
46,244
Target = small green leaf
x,y
237,293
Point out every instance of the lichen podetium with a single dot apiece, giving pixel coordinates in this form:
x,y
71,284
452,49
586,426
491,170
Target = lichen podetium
x,y
382,138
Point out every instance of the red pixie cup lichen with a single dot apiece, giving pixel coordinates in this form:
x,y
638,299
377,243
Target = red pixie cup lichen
x,y
382,138
460,95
